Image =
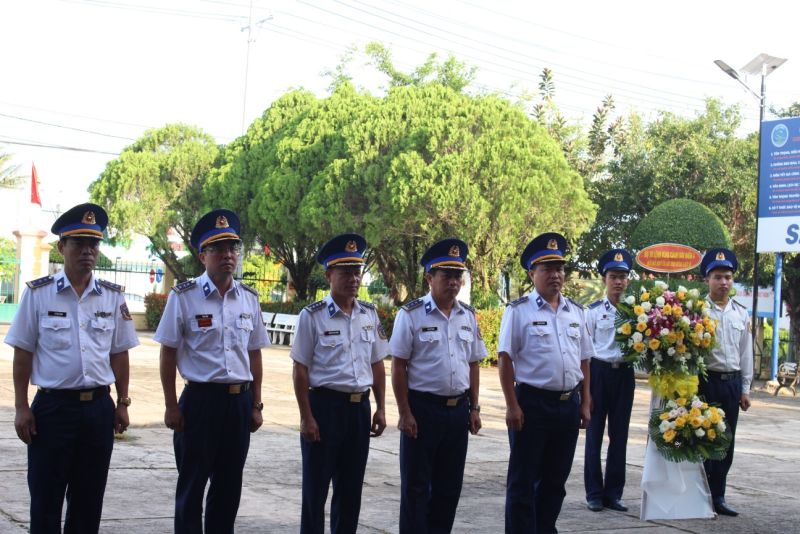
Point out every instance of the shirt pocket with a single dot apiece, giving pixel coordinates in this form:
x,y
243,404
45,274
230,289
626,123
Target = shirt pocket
x,y
55,333
330,347
368,336
430,337
540,337
605,324
466,336
101,332
737,329
243,329
205,338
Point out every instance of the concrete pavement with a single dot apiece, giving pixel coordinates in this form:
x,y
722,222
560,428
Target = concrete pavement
x,y
764,483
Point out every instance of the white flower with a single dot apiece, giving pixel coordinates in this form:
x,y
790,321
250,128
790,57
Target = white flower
x,y
697,403
721,412
660,302
671,351
682,289
689,304
642,318
657,356
694,293
631,341
706,335
685,320
721,426
671,404
661,284
664,332
664,426
706,312
699,432
630,300
637,337
646,306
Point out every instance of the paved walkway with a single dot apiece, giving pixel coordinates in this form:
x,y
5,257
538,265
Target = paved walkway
x,y
764,483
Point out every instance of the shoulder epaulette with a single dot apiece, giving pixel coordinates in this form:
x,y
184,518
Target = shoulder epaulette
x,y
111,285
578,304
739,304
595,304
184,286
467,306
368,305
413,305
40,282
248,288
315,306
518,301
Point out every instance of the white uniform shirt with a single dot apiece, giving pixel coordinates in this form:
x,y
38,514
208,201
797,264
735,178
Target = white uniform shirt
x,y
211,332
734,350
600,318
339,349
546,345
72,337
438,349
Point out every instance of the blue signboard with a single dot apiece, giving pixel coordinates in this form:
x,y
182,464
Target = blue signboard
x,y
159,275
779,186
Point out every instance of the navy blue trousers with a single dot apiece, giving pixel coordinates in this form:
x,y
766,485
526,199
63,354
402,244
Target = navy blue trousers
x,y
339,457
432,465
540,461
727,394
213,446
612,398
70,453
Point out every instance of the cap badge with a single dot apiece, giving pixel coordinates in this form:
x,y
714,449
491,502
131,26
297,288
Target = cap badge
x,y
88,218
618,257
455,251
351,246
552,244
222,222
720,256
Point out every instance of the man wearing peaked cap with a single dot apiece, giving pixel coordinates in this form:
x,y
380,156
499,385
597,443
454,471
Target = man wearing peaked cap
x,y
436,349
71,337
730,366
211,329
612,387
338,356
543,351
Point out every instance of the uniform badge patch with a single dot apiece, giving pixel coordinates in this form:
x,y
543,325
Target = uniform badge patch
x,y
331,332
381,332
539,323
430,328
204,320
126,314
56,314
103,314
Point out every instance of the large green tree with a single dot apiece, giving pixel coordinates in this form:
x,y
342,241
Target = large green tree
x,y
156,186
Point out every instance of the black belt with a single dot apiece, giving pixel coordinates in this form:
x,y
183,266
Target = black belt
x,y
450,401
728,375
354,397
613,365
547,393
83,395
232,389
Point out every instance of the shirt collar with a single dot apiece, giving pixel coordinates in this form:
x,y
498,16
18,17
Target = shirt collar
x,y
430,305
607,304
716,306
208,286
62,282
539,301
334,308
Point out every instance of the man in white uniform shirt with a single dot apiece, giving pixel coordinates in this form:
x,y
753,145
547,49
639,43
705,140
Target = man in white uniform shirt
x,y
212,331
436,348
612,389
544,350
71,336
730,367
338,356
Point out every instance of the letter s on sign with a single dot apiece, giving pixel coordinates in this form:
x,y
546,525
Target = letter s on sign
x,y
794,234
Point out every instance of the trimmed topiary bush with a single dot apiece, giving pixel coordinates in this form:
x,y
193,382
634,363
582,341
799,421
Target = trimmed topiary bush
x,y
681,221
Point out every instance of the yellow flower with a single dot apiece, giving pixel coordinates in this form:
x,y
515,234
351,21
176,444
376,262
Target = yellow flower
x,y
680,348
698,328
714,417
641,327
681,295
638,310
672,338
664,416
667,309
639,346
669,435
654,344
680,401
696,422
694,412
648,332
626,329
645,296
677,311
680,335
712,435
706,423
680,421
706,342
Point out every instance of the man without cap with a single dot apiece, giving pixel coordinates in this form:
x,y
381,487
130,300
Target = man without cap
x,y
730,365
544,350
436,348
212,330
612,389
71,337
338,355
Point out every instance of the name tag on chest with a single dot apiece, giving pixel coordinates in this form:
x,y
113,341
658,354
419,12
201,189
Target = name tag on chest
x,y
331,332
430,328
539,323
204,320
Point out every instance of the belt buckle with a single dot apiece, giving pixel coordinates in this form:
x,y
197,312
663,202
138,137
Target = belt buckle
x,y
726,376
235,389
565,396
85,396
615,365
453,401
356,397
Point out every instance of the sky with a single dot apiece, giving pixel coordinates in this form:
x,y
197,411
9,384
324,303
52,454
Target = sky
x,y
81,79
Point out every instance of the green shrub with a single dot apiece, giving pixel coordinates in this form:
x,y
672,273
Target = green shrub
x,y
681,221
489,324
386,314
154,304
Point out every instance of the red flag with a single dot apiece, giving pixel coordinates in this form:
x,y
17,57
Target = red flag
x,y
35,187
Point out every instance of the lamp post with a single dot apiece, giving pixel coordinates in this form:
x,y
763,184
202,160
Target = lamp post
x,y
765,65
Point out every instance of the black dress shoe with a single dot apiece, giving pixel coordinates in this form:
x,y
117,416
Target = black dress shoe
x,y
616,506
594,505
722,508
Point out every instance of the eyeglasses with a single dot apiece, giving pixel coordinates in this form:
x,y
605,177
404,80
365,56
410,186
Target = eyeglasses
x,y
219,250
